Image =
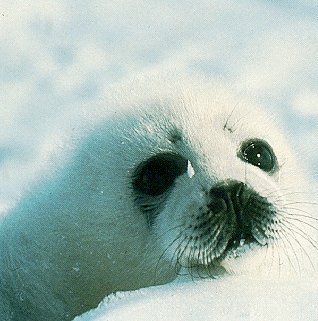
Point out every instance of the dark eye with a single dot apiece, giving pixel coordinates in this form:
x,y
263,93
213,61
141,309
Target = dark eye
x,y
157,174
259,153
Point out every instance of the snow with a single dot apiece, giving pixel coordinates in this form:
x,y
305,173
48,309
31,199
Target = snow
x,y
55,57
230,299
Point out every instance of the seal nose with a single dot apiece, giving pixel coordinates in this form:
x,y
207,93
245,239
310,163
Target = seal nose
x,y
230,197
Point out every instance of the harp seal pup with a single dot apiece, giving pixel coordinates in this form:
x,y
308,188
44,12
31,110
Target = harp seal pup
x,y
161,176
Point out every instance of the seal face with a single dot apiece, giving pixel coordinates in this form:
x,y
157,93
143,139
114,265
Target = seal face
x,y
217,188
164,178
234,214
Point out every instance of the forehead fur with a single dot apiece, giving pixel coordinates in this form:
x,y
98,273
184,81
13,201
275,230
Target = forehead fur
x,y
211,117
183,102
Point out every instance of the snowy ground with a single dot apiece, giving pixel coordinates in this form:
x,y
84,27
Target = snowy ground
x,y
232,299
56,56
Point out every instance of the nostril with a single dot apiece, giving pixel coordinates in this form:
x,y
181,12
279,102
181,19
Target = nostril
x,y
225,190
238,197
220,199
238,188
229,196
218,205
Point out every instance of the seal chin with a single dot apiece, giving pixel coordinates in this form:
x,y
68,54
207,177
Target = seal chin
x,y
240,246
234,259
245,259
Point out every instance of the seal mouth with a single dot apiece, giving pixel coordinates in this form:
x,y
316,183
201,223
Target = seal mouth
x,y
238,246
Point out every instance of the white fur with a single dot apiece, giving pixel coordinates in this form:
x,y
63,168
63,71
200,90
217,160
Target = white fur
x,y
75,233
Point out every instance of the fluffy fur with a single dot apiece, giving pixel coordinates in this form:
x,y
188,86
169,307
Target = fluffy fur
x,y
79,232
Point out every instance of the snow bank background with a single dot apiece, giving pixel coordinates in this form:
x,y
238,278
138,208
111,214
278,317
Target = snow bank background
x,y
57,56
